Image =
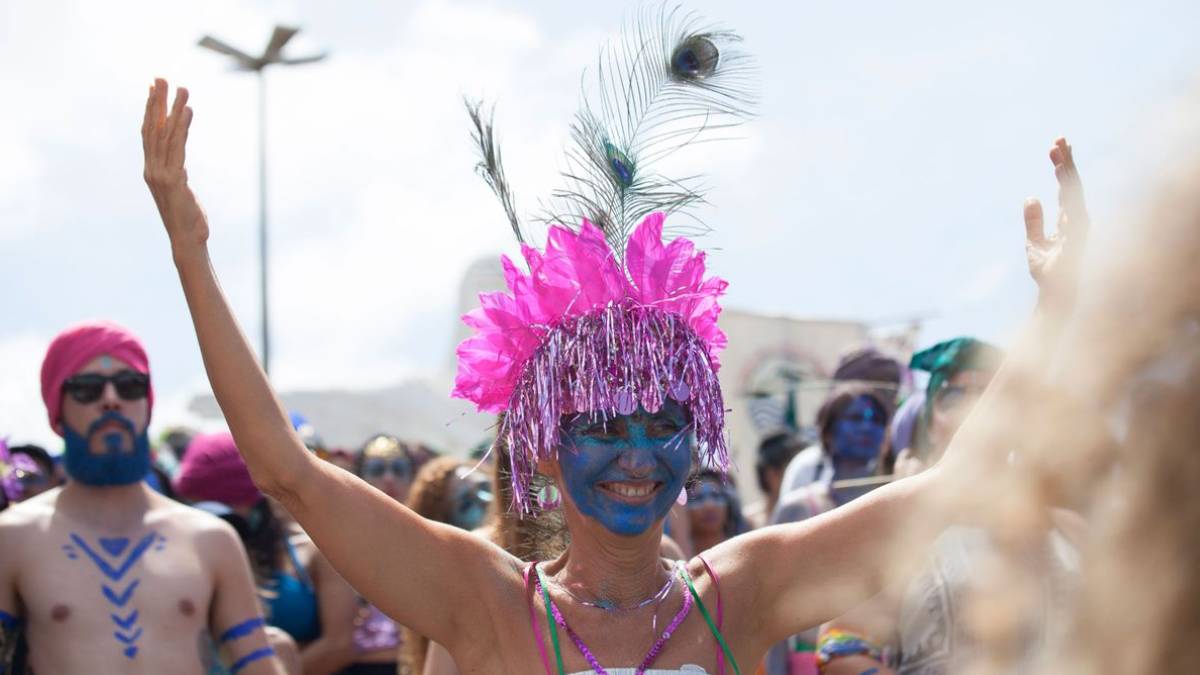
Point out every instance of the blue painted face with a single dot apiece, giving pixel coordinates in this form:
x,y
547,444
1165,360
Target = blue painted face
x,y
115,466
858,432
627,471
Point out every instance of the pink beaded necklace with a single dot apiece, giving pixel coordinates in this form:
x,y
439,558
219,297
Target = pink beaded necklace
x,y
583,648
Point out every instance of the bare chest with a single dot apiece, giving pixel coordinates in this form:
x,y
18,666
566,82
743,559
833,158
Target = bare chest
x,y
120,594
611,639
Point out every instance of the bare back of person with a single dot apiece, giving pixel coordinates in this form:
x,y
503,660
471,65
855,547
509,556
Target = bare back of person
x,y
102,591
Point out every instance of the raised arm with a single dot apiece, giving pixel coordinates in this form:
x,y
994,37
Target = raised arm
x,y
419,572
843,557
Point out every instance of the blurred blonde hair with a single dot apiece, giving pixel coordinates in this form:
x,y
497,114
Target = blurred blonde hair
x,y
1105,426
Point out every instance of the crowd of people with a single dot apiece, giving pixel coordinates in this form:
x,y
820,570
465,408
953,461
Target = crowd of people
x,y
978,522
315,622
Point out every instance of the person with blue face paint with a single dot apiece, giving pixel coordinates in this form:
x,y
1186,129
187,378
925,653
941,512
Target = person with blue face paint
x,y
604,370
853,427
625,472
105,574
852,424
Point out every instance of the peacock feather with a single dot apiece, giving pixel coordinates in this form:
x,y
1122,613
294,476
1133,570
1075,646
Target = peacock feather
x,y
489,167
668,82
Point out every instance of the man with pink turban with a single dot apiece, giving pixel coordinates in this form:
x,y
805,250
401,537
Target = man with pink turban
x,y
104,574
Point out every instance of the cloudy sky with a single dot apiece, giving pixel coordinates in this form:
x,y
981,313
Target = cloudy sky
x,y
883,178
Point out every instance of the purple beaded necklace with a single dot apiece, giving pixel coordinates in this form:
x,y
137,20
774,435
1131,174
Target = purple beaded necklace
x,y
587,653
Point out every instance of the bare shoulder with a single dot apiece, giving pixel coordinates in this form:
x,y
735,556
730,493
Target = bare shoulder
x,y
206,529
732,568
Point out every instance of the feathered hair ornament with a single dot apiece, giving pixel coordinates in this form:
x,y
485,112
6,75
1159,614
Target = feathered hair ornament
x,y
610,318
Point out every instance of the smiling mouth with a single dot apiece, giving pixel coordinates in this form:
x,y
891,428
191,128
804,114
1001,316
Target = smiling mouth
x,y
631,492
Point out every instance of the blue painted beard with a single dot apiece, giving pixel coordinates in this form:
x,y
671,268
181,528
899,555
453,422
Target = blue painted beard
x,y
627,472
114,466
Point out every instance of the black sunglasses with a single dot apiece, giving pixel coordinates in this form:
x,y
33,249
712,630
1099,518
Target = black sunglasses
x,y
376,467
89,387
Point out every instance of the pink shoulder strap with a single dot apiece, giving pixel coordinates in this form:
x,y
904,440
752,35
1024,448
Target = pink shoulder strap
x,y
533,622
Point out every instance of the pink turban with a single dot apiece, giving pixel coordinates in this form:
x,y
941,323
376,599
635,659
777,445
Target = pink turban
x,y
213,471
81,343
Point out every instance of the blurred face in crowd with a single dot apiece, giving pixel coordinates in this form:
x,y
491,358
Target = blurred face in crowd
x,y
470,498
951,404
859,430
386,466
104,417
772,478
708,508
34,482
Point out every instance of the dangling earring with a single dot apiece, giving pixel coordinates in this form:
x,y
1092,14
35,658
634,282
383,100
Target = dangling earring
x,y
682,498
548,497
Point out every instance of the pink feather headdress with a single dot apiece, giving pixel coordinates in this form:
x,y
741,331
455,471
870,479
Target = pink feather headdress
x,y
609,318
583,334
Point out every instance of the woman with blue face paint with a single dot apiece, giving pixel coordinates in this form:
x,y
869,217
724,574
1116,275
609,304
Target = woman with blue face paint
x,y
853,429
852,424
603,357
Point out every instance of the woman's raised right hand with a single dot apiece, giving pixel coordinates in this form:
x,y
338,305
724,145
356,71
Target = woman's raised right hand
x,y
164,141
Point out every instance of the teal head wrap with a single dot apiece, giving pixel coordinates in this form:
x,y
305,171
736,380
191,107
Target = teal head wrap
x,y
945,359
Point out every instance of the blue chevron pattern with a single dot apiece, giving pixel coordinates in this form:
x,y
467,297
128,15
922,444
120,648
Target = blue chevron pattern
x,y
114,547
127,622
115,557
128,639
115,573
120,599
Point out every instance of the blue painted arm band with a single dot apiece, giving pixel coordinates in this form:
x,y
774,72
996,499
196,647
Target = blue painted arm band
x,y
8,620
242,629
250,658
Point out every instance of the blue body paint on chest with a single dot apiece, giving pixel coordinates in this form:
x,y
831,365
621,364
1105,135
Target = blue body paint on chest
x,y
115,557
640,450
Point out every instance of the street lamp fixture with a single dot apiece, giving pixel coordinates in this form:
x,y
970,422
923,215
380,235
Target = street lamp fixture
x,y
273,54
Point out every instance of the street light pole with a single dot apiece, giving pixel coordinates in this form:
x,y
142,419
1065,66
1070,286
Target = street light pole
x,y
242,61
264,296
